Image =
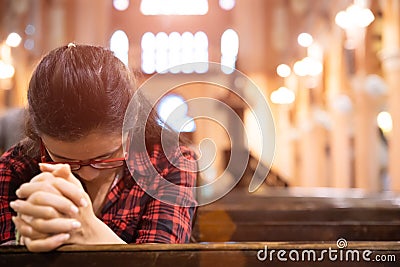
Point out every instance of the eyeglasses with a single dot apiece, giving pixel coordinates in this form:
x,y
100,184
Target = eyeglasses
x,y
76,165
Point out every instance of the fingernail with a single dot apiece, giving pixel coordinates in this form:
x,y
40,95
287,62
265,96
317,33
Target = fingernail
x,y
18,192
13,218
74,209
84,203
76,224
63,237
14,205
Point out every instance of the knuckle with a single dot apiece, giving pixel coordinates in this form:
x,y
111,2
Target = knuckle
x,y
24,186
63,171
38,224
60,183
44,176
29,246
50,212
24,190
48,187
24,231
37,197
85,195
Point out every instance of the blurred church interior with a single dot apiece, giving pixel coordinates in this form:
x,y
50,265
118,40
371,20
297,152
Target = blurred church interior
x,y
328,70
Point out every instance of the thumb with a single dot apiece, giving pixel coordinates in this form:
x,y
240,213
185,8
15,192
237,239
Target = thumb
x,y
62,171
46,167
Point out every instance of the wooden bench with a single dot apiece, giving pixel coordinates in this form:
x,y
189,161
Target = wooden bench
x,y
209,254
290,215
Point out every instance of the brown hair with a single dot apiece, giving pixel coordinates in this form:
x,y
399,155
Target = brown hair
x,y
76,89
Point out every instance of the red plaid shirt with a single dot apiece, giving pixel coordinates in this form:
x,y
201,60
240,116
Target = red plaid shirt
x,y
134,215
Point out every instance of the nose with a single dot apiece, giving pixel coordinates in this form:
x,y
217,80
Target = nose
x,y
87,173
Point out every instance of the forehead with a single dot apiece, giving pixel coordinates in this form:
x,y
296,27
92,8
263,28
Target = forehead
x,y
91,146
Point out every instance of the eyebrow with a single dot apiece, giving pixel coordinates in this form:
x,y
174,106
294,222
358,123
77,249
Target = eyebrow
x,y
68,159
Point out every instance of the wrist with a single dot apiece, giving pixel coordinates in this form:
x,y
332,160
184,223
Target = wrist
x,y
94,231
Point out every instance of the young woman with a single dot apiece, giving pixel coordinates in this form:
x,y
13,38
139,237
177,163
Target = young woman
x,y
69,181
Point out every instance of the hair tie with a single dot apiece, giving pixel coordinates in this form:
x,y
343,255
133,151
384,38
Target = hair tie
x,y
71,45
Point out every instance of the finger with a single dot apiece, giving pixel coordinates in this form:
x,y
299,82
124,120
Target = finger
x,y
55,226
74,193
46,167
28,189
60,203
44,176
48,183
46,244
63,171
26,230
38,211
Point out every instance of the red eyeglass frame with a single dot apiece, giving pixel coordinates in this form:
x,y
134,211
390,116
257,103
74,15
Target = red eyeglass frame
x,y
80,163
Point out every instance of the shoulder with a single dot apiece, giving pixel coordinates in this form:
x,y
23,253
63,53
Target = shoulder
x,y
15,163
162,158
173,163
168,175
158,151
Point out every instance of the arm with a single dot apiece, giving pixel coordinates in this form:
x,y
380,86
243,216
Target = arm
x,y
58,212
165,223
168,215
10,180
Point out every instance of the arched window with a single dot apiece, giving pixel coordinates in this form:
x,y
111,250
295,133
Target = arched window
x,y
175,53
229,50
119,44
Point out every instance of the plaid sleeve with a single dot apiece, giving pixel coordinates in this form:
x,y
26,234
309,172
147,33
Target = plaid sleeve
x,y
14,171
169,222
7,194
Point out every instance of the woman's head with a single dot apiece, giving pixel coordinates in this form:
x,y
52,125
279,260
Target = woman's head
x,y
76,90
79,90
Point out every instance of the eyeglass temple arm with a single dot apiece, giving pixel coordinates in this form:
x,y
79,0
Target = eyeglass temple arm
x,y
42,152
